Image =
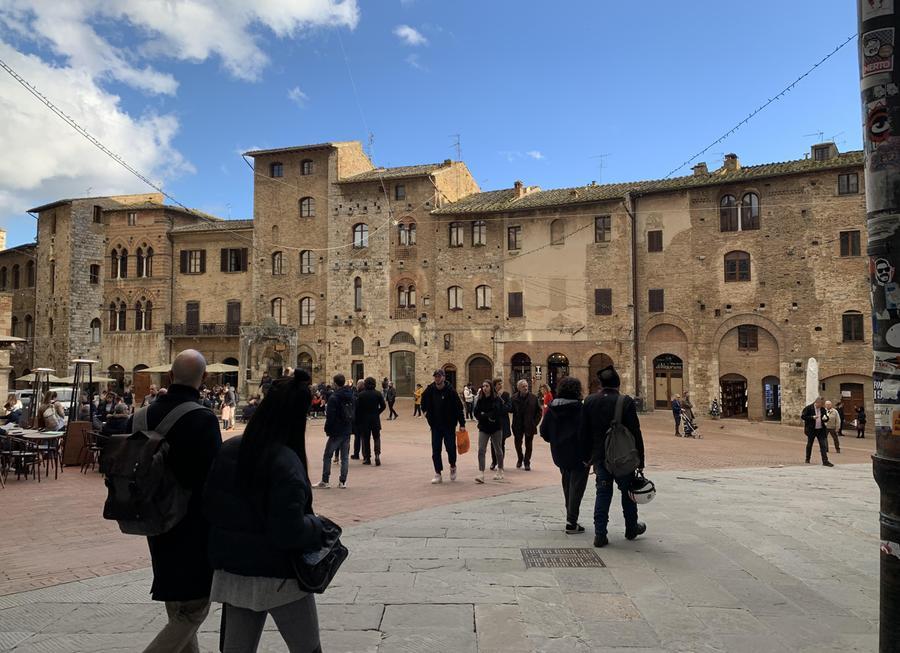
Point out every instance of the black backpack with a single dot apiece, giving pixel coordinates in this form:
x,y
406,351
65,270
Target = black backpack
x,y
348,410
622,457
143,495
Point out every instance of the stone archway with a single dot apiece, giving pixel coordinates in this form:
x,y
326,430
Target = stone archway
x,y
480,369
596,363
665,339
748,353
668,379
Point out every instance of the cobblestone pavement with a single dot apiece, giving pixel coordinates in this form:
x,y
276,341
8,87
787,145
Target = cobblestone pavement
x,y
760,560
53,533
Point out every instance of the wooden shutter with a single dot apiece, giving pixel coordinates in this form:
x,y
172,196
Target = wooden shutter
x,y
202,261
657,300
244,265
654,241
223,260
602,301
184,261
515,304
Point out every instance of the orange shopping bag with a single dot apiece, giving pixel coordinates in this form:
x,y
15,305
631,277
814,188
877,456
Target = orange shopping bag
x,y
462,441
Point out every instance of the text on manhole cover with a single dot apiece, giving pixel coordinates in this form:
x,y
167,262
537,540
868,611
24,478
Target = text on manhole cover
x,y
572,558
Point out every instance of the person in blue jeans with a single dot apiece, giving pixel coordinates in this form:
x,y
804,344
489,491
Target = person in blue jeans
x,y
339,413
443,410
596,416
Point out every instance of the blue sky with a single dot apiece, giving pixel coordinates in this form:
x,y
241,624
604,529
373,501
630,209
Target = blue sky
x,y
536,90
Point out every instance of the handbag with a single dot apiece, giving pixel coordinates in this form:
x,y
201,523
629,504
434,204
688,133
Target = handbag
x,y
316,570
462,441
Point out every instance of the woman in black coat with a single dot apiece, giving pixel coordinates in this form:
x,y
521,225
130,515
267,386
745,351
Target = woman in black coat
x,y
259,504
560,428
489,411
369,406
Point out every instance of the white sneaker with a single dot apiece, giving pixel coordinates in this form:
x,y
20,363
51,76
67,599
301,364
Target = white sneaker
x,y
499,475
453,473
322,485
480,478
437,479
343,485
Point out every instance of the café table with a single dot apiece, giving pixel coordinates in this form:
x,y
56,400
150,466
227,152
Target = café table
x,y
49,444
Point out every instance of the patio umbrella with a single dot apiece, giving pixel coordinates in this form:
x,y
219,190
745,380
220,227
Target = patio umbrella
x,y
69,380
221,368
29,378
157,369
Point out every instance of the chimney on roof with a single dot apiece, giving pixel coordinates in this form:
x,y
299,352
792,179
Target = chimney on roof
x,y
732,163
520,189
448,162
700,170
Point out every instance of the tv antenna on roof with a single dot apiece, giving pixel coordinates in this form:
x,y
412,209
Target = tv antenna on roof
x,y
457,144
602,164
819,133
371,143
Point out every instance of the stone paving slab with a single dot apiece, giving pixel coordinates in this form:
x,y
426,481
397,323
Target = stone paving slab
x,y
755,561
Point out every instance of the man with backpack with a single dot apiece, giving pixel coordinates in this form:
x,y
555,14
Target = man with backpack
x,y
340,412
611,441
182,574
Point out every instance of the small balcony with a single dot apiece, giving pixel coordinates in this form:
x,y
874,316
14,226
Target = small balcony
x,y
203,329
406,313
405,252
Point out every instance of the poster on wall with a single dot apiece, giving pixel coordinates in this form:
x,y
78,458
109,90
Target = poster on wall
x,y
876,8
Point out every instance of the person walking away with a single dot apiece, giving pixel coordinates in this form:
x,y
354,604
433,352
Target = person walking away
x,y
369,406
417,401
676,412
507,427
815,421
357,429
560,428
228,405
860,421
526,413
259,504
339,413
182,574
839,407
834,424
596,417
489,411
469,400
390,396
443,411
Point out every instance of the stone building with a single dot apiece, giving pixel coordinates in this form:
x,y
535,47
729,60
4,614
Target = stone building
x,y
724,282
18,270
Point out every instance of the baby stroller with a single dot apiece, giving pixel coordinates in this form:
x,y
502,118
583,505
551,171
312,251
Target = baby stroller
x,y
689,426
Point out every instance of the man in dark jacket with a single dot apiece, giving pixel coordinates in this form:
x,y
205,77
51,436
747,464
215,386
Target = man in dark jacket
x,y
339,414
596,416
526,412
390,396
369,406
444,410
815,421
182,574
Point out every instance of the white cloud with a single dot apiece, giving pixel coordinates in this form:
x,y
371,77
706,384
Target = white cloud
x,y
537,155
518,155
410,35
414,61
297,96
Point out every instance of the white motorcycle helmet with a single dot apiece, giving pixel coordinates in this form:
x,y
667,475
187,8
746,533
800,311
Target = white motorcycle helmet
x,y
642,490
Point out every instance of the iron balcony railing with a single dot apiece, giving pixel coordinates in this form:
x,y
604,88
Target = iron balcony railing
x,y
210,329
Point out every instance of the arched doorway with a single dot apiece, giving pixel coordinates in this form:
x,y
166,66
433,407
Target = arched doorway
x,y
772,398
734,395
450,374
140,383
117,372
596,363
668,379
557,368
231,377
305,362
521,368
480,368
403,372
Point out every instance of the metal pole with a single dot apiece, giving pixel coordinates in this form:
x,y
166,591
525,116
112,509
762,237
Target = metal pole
x,y
878,28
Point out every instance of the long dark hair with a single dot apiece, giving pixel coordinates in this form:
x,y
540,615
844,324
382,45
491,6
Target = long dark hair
x,y
280,420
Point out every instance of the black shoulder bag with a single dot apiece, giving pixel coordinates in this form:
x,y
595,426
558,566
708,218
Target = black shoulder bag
x,y
315,570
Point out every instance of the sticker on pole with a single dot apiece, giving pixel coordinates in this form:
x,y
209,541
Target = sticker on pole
x,y
890,548
878,51
876,8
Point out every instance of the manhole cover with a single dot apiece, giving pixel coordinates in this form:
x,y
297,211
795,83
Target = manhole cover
x,y
561,558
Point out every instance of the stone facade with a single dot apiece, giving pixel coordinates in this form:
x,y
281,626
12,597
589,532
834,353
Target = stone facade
x,y
18,275
394,272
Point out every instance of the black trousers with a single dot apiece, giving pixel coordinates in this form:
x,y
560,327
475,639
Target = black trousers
x,y
357,443
822,436
574,482
529,443
393,413
369,434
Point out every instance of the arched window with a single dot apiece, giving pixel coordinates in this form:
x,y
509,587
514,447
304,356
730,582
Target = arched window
x,y
122,312
278,310
306,167
113,317
148,315
454,298
114,264
737,266
276,169
308,207
95,331
456,234
479,233
483,297
29,274
138,317
357,294
29,327
557,232
852,323
305,362
15,277
728,213
275,237
306,262
15,326
448,342
406,296
123,264
749,212
360,235
403,338
139,262
407,233
357,347
307,311
148,262
277,263
411,296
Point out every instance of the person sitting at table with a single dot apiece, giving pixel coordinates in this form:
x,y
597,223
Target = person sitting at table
x,y
51,415
117,422
13,408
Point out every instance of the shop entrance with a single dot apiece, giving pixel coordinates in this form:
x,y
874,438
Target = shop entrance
x,y
734,395
668,379
403,372
557,368
772,398
853,396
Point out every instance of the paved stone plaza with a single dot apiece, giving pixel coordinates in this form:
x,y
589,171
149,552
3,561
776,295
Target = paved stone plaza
x,y
757,560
